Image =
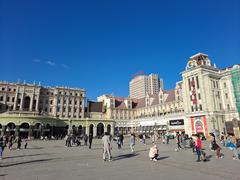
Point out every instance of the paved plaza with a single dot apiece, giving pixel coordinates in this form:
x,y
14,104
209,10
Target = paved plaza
x,y
51,160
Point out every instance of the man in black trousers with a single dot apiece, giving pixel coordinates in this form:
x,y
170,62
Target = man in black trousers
x,y
90,140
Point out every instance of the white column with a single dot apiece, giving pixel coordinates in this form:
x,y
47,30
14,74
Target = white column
x,y
16,101
67,105
22,101
37,103
31,102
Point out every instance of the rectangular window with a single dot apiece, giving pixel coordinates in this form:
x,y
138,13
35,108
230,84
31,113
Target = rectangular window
x,y
190,97
13,99
220,106
189,84
226,95
217,84
200,107
197,82
228,107
196,107
225,85
8,99
199,96
192,108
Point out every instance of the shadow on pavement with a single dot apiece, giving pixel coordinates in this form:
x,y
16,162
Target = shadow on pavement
x,y
142,150
161,158
208,158
26,162
9,157
1,175
35,148
125,156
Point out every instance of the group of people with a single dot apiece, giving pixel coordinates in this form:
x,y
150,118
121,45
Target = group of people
x,y
9,141
72,140
229,141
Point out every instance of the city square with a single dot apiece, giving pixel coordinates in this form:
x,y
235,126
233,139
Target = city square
x,y
51,160
115,90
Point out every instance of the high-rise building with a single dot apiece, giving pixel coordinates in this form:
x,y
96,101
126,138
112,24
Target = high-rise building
x,y
143,85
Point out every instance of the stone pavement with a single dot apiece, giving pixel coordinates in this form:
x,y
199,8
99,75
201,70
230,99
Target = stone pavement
x,y
50,160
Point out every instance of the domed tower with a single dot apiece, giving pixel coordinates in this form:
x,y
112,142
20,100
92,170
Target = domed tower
x,y
198,59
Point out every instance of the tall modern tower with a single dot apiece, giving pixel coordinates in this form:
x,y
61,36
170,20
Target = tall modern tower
x,y
141,85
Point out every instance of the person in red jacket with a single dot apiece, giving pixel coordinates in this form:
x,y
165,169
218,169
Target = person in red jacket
x,y
198,145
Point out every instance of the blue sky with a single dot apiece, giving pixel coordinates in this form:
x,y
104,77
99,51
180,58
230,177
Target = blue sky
x,y
99,45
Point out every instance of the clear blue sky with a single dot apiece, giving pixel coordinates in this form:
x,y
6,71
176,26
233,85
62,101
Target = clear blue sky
x,y
98,45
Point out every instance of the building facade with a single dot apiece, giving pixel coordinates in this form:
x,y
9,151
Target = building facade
x,y
33,110
141,85
206,100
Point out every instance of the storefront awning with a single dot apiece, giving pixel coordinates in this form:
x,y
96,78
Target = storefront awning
x,y
153,123
148,123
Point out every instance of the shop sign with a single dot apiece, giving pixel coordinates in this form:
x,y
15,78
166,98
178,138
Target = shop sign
x,y
178,122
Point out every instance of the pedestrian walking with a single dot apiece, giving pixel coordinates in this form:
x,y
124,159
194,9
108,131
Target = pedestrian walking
x,y
121,139
144,139
198,144
178,141
90,140
19,142
192,145
132,142
25,144
2,146
118,140
68,141
215,147
11,141
85,139
106,146
234,147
